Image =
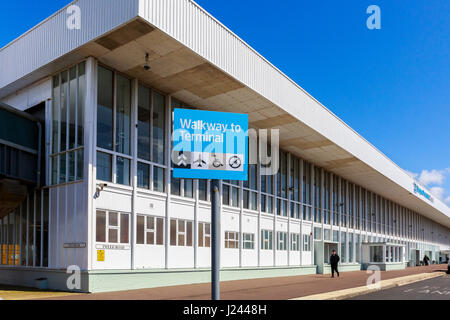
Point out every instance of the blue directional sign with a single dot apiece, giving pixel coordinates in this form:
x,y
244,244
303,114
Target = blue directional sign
x,y
210,145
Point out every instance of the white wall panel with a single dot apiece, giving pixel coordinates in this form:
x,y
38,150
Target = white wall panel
x,y
30,96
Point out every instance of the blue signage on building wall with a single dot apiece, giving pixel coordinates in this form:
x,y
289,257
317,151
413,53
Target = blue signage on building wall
x,y
209,145
422,192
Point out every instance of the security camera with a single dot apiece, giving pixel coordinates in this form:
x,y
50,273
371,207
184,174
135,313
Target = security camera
x,y
102,186
99,189
147,64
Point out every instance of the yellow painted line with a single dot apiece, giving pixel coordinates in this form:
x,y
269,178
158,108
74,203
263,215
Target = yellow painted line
x,y
384,284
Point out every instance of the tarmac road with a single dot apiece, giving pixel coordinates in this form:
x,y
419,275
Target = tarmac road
x,y
433,289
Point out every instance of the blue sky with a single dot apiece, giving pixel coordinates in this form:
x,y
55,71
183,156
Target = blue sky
x,y
391,85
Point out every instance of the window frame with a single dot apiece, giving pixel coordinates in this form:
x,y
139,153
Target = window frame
x,y
231,242
149,230
109,227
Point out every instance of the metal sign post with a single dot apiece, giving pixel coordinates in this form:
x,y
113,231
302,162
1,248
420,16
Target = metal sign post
x,y
211,145
215,237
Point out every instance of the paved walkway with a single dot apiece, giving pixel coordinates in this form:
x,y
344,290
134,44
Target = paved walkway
x,y
255,289
21,293
433,289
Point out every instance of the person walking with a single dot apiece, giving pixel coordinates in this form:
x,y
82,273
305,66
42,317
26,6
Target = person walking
x,y
448,267
334,260
426,260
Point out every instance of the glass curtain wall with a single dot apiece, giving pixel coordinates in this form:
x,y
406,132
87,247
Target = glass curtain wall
x,y
24,233
299,190
66,152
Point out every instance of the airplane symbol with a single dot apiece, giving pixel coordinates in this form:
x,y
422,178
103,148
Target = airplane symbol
x,y
182,159
200,161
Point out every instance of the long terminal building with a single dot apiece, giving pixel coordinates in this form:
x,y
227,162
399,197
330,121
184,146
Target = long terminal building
x,y
86,176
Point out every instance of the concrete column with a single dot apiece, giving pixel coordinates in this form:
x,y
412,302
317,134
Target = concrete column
x,y
167,178
134,134
195,239
312,192
288,209
301,200
90,159
322,203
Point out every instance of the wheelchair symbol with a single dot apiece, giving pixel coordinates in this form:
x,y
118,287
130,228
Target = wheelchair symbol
x,y
216,162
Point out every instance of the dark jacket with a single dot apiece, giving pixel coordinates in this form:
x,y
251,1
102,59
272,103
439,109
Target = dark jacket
x,y
334,259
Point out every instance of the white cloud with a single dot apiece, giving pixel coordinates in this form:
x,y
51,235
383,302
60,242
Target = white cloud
x,y
438,192
432,177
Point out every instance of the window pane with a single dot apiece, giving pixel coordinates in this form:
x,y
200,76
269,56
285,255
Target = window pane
x,y
158,127
64,103
269,204
225,194
105,109
123,171
72,164
189,234
252,172
55,114
245,199
159,231
181,239
175,186
151,223
202,192
144,123
104,163
101,226
173,232
158,179
143,178
80,164
72,105
200,234
253,201
123,115
181,226
113,220
140,229
113,235
55,170
188,188
62,168
124,228
81,97
150,237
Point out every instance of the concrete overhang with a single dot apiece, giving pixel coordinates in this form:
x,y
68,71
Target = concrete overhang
x,y
199,61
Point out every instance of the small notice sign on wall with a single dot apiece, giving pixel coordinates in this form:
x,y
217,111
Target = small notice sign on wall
x,y
100,255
